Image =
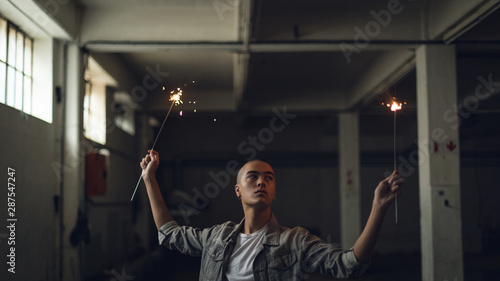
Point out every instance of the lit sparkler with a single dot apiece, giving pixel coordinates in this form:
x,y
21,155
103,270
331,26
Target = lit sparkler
x,y
175,98
395,106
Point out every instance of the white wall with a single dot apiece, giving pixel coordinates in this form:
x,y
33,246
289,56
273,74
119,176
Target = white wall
x,y
28,145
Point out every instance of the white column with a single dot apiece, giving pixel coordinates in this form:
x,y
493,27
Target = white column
x,y
74,159
350,201
439,164
240,75
144,219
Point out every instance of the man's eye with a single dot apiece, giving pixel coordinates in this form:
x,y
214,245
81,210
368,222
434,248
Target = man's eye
x,y
270,178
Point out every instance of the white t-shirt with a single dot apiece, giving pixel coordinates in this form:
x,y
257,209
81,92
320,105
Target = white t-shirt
x,y
241,261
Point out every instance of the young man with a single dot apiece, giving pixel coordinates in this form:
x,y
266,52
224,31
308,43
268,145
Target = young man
x,y
258,248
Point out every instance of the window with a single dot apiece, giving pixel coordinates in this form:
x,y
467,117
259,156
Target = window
x,y
94,104
16,67
123,108
94,112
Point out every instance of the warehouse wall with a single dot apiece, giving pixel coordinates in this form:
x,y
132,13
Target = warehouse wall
x,y
29,146
112,216
304,156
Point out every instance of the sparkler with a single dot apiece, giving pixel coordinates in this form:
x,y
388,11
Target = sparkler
x,y
395,106
175,98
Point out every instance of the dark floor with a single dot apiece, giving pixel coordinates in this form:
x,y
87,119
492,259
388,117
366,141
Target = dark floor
x,y
164,265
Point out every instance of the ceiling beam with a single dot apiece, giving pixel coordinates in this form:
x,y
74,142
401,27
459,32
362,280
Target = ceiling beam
x,y
241,59
261,47
40,20
240,77
449,19
383,73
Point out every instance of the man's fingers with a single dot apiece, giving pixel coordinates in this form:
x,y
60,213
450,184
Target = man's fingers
x,y
386,180
144,163
153,155
395,179
148,158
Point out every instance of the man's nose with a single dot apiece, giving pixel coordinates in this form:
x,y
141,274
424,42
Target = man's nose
x,y
261,183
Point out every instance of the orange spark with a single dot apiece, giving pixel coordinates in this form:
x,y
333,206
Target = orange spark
x,y
176,97
396,106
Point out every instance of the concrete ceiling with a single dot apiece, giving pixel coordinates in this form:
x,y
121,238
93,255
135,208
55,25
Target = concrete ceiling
x,y
312,56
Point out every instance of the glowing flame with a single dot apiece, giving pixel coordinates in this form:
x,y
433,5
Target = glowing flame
x,y
395,106
176,96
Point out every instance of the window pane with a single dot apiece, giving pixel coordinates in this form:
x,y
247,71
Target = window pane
x,y
12,47
96,122
10,85
27,56
3,40
20,52
19,91
27,95
86,106
2,82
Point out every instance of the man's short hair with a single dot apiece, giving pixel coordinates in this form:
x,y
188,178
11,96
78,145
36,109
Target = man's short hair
x,y
240,171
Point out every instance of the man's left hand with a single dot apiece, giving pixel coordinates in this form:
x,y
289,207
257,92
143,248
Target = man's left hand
x,y
387,190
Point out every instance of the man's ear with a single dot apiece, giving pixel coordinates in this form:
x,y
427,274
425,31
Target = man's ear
x,y
237,190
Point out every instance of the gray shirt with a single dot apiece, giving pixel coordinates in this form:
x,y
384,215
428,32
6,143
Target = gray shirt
x,y
285,253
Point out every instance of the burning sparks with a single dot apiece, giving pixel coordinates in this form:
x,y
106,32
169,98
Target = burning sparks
x,y
395,106
176,97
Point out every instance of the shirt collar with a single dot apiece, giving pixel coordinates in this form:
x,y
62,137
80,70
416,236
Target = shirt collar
x,y
237,229
272,235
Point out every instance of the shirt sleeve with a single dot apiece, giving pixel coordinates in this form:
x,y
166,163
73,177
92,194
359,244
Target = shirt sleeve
x,y
187,240
327,259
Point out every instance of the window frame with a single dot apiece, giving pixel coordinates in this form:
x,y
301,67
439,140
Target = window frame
x,y
12,98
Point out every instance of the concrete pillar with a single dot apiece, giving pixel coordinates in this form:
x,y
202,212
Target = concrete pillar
x,y
144,219
240,75
74,160
439,164
350,199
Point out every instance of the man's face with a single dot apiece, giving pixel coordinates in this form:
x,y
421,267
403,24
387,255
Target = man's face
x,y
255,184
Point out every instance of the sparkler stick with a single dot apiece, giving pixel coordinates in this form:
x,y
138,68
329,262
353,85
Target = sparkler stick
x,y
395,107
176,99
395,168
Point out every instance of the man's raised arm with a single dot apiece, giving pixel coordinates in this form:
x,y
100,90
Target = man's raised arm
x,y
149,164
385,193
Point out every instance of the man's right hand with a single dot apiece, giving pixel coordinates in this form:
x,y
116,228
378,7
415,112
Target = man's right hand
x,y
149,164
